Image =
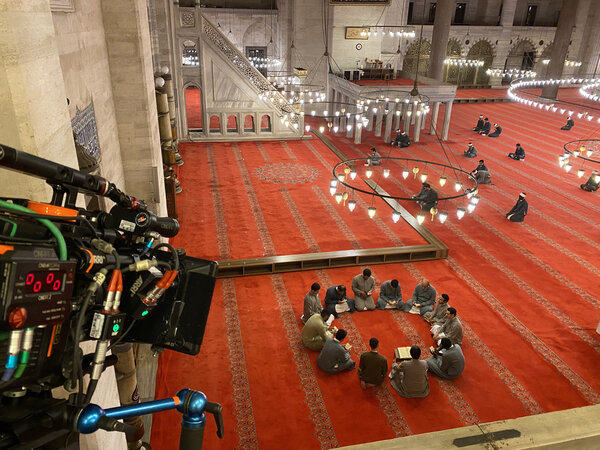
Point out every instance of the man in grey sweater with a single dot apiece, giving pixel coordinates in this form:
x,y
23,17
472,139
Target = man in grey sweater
x,y
448,361
452,328
390,295
335,357
423,298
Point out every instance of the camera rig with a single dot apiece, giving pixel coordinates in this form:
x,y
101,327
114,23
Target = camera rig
x,y
68,274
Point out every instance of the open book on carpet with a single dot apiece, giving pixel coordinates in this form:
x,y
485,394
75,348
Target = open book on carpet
x,y
402,353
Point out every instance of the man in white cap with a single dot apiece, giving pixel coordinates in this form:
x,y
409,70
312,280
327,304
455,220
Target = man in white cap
x,y
471,151
519,211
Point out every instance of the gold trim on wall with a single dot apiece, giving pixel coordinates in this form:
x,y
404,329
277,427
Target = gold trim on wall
x,y
354,33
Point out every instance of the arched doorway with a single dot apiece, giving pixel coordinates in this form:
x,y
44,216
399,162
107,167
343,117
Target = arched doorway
x,y
453,52
482,50
412,55
193,108
521,56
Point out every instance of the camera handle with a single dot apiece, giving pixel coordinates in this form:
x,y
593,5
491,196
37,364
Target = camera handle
x,y
193,405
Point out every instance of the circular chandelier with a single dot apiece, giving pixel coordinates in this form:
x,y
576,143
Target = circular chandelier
x,y
302,93
346,177
581,151
373,99
587,91
391,31
567,63
264,62
517,73
464,62
334,113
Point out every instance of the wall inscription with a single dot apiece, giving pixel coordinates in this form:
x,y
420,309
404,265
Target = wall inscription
x,y
86,133
357,33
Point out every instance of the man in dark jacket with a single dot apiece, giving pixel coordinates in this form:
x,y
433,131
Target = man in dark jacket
x,y
479,125
591,185
471,151
519,153
519,211
427,198
447,361
569,125
487,126
402,139
497,131
336,300
335,357
372,367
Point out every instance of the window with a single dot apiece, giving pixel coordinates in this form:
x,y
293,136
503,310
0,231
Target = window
x,y
265,123
190,54
431,17
530,18
232,125
459,14
214,124
249,124
411,6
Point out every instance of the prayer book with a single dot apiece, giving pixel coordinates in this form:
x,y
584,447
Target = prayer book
x,y
402,353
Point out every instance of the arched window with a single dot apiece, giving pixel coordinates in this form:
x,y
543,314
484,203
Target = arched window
x,y
249,124
232,124
190,54
215,124
265,123
193,108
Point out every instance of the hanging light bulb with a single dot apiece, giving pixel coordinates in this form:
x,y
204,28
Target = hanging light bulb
x,y
307,128
457,186
351,205
333,182
471,206
396,216
338,197
423,177
386,173
321,129
420,218
341,177
335,129
460,212
332,190
369,172
588,152
371,210
575,153
443,181
405,174
443,216
568,167
353,174
580,173
348,127
475,199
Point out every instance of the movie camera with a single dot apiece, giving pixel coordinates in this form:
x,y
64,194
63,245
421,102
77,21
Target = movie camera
x,y
69,274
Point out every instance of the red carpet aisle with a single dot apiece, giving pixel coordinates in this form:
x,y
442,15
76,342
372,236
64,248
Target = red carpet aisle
x,y
526,293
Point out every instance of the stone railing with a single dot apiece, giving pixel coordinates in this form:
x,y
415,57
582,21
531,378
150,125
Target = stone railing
x,y
248,71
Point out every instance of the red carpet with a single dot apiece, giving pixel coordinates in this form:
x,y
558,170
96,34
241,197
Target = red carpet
x,y
525,293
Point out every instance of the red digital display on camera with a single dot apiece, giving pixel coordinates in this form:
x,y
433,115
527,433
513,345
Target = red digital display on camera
x,y
44,282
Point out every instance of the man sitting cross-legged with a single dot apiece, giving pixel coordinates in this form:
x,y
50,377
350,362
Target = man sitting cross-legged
x,y
422,299
448,361
437,317
363,286
372,367
390,295
336,301
451,328
409,378
316,331
312,304
335,357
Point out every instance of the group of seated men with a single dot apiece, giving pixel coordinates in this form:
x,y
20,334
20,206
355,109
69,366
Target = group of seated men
x,y
409,378
484,127
401,139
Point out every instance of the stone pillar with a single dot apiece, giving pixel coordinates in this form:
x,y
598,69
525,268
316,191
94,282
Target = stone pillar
x,y
370,115
406,113
397,109
589,52
503,47
349,122
423,120
439,40
560,47
387,137
379,120
417,129
446,126
130,58
35,116
433,118
357,133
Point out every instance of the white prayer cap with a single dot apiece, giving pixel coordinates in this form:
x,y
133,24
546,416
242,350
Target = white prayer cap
x,y
522,194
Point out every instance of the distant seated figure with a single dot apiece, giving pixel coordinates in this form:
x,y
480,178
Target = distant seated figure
x,y
335,357
409,378
569,125
518,154
427,198
402,139
451,328
363,286
448,361
312,304
423,298
479,125
316,331
481,173
471,151
519,211
591,185
372,367
336,301
487,126
390,295
374,158
496,132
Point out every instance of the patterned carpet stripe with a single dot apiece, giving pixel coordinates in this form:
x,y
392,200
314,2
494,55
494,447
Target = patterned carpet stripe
x,y
222,239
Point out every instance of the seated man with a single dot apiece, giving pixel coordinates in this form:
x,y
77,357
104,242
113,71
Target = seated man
x,y
316,331
363,286
591,185
427,198
569,125
487,126
409,378
335,357
519,211
423,298
451,328
437,317
471,151
479,125
390,295
448,361
312,304
519,153
372,367
374,158
496,132
402,139
337,302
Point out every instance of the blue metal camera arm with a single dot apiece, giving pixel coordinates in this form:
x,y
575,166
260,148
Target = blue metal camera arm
x,y
193,405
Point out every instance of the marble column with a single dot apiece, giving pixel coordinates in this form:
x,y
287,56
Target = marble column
x,y
406,114
560,47
446,126
507,19
417,129
349,122
387,137
439,40
379,120
433,118
357,133
397,115
370,116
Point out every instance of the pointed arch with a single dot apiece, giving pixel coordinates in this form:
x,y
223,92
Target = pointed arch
x,y
482,50
412,55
